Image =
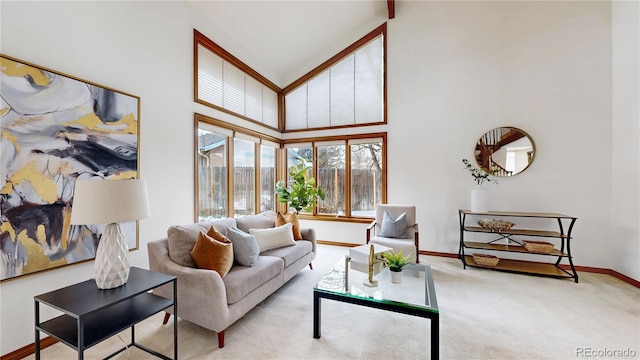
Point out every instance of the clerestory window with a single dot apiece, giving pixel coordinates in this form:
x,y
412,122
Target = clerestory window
x,y
347,90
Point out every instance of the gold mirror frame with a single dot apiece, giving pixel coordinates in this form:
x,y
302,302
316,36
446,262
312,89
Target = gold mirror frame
x,y
505,151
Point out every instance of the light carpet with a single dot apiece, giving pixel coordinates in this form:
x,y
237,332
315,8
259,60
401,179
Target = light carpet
x,y
484,314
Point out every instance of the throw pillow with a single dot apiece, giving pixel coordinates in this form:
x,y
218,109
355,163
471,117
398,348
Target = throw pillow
x,y
290,218
394,228
245,247
209,253
273,238
214,233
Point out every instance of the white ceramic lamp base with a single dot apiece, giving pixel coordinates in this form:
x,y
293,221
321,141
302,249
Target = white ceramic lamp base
x,y
111,268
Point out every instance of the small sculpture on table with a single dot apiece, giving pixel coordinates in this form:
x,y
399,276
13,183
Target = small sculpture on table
x,y
370,282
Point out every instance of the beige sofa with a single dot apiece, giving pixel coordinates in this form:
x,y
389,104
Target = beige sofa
x,y
213,302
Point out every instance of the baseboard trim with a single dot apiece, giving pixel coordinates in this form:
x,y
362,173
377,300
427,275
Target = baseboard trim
x,y
30,349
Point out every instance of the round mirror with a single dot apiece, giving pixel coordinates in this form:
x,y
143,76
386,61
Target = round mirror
x,y
505,151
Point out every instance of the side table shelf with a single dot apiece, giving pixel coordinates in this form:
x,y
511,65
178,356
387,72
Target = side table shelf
x,y
92,315
515,245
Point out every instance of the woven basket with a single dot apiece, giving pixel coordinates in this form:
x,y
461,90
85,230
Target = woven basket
x,y
539,247
485,260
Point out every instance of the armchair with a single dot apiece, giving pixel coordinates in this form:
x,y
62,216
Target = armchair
x,y
407,242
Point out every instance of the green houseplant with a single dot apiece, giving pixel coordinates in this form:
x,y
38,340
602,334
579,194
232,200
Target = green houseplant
x,y
396,261
479,175
301,192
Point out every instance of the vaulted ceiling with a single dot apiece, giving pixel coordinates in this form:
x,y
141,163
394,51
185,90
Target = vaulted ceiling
x,y
286,39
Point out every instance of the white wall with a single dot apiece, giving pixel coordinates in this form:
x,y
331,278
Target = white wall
x,y
455,70
625,161
143,48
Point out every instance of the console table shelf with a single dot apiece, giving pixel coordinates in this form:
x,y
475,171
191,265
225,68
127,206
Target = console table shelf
x,y
524,267
515,245
504,247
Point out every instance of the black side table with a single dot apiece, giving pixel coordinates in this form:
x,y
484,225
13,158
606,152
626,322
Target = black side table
x,y
92,315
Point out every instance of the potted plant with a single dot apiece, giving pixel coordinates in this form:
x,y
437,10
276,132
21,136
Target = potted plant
x,y
301,192
478,194
396,262
479,175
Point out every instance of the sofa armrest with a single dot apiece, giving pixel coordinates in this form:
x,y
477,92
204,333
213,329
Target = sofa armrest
x,y
197,288
309,234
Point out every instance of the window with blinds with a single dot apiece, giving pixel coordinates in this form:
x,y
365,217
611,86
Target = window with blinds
x,y
224,86
348,91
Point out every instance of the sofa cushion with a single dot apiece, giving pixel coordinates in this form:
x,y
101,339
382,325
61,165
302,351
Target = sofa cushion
x,y
241,280
245,247
182,238
263,220
291,254
273,238
211,254
290,218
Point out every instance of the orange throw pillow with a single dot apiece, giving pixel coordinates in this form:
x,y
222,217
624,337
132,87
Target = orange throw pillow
x,y
214,233
293,219
209,253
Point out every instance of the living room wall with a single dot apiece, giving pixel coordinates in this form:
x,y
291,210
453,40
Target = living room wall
x,y
455,70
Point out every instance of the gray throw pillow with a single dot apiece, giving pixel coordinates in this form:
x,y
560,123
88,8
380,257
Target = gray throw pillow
x,y
245,247
394,228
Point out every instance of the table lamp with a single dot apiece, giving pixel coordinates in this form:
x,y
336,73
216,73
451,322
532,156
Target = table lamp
x,y
110,202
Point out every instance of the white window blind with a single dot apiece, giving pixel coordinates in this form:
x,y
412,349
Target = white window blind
x,y
269,107
253,98
368,83
233,87
348,93
318,101
296,108
342,91
209,76
224,85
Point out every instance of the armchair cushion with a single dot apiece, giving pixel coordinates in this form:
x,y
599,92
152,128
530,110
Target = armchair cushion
x,y
245,247
394,228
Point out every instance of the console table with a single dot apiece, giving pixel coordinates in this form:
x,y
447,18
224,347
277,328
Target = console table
x,y
563,238
92,315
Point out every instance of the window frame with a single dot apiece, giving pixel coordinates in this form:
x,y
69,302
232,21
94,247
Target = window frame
x,y
281,166
379,31
347,217
201,40
235,129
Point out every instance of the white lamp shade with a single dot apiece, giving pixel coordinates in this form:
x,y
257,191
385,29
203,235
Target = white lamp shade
x,y
109,201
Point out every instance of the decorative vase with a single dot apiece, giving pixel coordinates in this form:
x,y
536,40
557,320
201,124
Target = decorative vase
x,y
479,200
396,277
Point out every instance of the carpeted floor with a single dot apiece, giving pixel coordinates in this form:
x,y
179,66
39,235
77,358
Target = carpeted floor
x,y
483,315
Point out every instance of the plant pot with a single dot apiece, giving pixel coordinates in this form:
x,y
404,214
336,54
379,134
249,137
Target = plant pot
x,y
396,277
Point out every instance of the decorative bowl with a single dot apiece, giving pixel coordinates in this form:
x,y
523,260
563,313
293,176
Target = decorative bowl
x,y
495,225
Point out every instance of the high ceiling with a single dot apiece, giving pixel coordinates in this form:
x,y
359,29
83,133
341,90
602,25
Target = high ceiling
x,y
283,40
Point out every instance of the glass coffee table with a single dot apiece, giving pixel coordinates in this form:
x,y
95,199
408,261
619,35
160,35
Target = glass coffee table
x,y
415,296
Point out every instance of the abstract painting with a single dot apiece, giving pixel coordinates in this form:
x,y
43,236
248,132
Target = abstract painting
x,y
57,129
